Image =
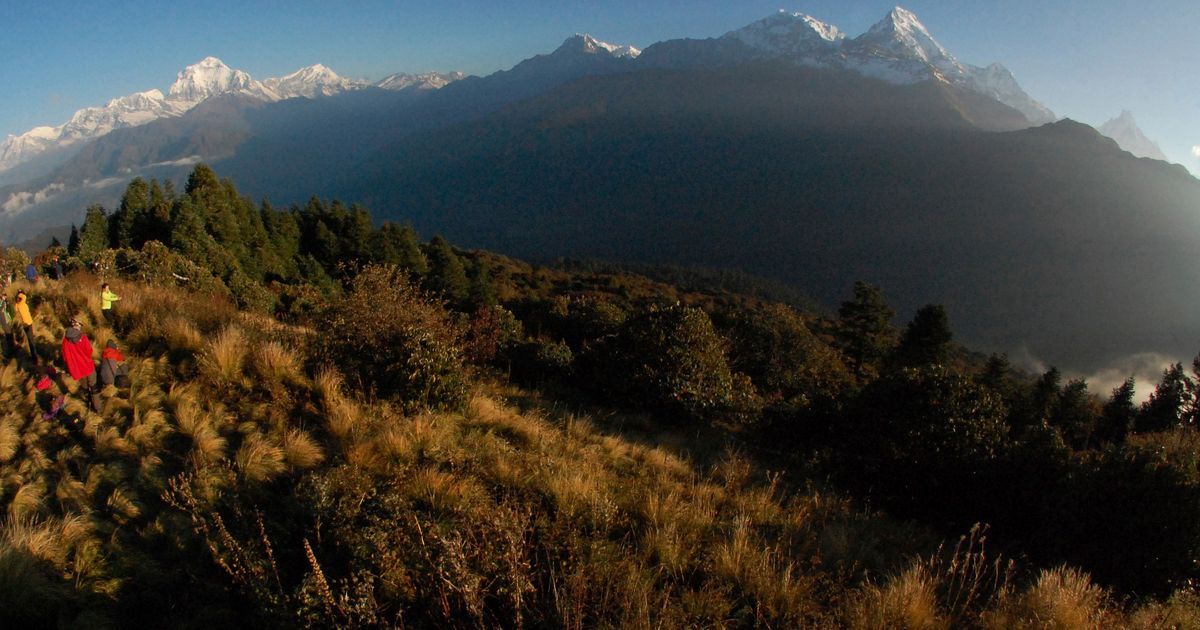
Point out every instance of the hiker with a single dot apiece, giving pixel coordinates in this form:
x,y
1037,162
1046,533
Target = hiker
x,y
77,354
107,298
6,325
31,273
113,370
24,321
57,266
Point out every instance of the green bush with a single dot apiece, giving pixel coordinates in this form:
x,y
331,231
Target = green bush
x,y
672,359
393,340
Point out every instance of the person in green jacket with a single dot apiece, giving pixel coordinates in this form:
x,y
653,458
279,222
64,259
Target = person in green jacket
x,y
107,297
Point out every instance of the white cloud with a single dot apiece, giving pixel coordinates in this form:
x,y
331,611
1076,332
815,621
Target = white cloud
x,y
20,201
1196,150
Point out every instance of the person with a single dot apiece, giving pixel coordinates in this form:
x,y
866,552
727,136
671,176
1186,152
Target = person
x,y
107,297
58,271
77,354
113,370
31,273
24,321
6,324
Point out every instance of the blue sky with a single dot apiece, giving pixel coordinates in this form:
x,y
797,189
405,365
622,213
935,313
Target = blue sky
x,y
1084,59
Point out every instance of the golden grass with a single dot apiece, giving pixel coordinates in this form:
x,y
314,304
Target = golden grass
x,y
300,450
223,357
906,602
28,501
10,439
1062,598
259,460
276,363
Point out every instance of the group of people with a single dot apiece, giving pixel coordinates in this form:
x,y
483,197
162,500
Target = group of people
x,y
77,351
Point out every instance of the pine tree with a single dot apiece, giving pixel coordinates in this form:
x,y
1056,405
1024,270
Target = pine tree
x,y
926,341
481,292
1118,414
1076,413
398,245
93,238
73,241
446,272
131,217
864,329
1169,404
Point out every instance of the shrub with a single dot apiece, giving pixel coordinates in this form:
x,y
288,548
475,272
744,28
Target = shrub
x,y
395,341
673,360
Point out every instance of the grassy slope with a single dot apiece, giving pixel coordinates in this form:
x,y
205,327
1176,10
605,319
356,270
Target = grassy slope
x,y
232,484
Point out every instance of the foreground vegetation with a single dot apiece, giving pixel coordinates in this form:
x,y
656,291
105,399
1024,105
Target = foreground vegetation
x,y
430,437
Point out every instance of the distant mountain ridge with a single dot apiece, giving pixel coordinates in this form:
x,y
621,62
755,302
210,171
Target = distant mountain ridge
x,y
193,85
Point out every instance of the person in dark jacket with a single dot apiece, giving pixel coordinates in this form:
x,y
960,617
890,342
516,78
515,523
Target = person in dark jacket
x,y
56,264
77,354
113,370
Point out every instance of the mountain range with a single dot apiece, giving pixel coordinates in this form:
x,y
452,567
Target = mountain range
x,y
784,148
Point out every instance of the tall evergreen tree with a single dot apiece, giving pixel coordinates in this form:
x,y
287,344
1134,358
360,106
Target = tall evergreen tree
x,y
1169,404
73,241
864,330
132,215
481,292
446,272
1076,414
1118,415
398,245
926,341
93,238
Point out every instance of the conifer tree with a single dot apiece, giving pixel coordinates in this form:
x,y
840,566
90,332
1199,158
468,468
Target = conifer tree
x,y
398,245
1076,413
481,292
93,238
73,241
1118,415
446,272
1169,404
132,216
926,341
864,329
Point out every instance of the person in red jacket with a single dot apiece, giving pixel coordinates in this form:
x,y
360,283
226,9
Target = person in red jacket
x,y
77,354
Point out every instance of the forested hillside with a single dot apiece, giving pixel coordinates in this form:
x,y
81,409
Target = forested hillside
x,y
332,423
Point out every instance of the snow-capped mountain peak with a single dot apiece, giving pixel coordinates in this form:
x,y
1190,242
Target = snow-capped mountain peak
x,y
423,81
902,36
210,77
1124,129
584,43
788,33
311,82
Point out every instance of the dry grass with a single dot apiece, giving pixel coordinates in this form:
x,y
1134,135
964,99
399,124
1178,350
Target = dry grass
x,y
276,363
908,601
1062,598
10,438
224,356
259,460
300,450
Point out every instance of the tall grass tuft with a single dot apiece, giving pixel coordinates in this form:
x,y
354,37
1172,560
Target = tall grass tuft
x,y
300,450
907,602
259,460
224,356
1063,598
10,439
276,363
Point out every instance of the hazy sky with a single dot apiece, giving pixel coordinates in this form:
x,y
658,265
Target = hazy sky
x,y
1085,59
